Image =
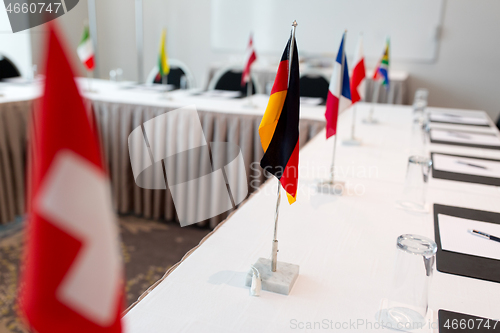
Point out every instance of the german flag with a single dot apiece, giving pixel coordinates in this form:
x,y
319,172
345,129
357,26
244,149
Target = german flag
x,y
279,128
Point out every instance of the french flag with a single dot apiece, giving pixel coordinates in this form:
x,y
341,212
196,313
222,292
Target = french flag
x,y
339,93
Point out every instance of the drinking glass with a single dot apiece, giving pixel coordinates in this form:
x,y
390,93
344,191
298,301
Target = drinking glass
x,y
112,75
407,305
415,188
419,104
119,74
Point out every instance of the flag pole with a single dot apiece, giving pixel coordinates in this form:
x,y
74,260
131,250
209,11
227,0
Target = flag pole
x,y
332,172
274,255
274,260
374,100
89,81
353,121
250,87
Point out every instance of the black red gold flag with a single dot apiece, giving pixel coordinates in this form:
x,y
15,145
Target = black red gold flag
x,y
279,128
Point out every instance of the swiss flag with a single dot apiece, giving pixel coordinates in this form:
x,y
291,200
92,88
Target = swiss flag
x,y
72,279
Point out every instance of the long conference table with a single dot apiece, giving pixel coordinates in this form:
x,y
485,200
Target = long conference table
x,y
265,74
120,107
345,245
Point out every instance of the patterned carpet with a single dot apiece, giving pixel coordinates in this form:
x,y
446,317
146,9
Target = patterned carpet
x,y
149,248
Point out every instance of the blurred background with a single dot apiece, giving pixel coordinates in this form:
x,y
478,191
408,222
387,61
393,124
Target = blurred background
x,y
457,61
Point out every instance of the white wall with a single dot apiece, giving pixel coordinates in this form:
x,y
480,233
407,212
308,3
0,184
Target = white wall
x,y
71,28
16,46
466,73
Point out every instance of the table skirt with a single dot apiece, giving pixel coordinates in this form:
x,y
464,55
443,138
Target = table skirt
x,y
115,122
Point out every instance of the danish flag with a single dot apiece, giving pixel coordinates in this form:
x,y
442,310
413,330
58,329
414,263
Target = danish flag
x,y
72,279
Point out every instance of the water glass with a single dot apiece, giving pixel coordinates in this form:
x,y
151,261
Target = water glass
x,y
112,75
119,74
407,305
415,188
419,104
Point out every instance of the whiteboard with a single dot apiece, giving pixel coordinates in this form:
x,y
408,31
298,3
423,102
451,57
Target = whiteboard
x,y
412,25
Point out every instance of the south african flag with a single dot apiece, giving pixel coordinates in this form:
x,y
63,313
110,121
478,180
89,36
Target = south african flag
x,y
382,70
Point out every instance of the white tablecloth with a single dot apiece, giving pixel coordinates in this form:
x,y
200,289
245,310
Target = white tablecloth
x,y
118,111
345,246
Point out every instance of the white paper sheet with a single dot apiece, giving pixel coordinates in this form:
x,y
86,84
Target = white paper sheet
x,y
221,93
455,236
144,87
451,118
465,137
470,166
311,100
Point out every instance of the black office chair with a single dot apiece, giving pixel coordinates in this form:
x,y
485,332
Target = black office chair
x,y
173,77
7,68
498,122
313,85
229,78
179,72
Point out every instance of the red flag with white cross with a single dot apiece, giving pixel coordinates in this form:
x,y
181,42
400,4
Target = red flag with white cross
x,y
72,280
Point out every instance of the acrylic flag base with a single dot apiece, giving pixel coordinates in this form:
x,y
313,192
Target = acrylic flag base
x,y
351,142
329,187
249,104
413,207
281,281
370,121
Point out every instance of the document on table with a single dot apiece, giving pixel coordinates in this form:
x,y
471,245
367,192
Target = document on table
x,y
221,93
455,236
311,100
459,119
483,139
465,165
150,87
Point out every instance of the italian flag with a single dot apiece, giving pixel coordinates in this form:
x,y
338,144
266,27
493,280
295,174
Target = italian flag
x,y
86,50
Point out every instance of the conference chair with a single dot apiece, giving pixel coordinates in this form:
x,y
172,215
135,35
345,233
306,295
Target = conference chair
x,y
313,84
7,68
229,78
180,76
498,122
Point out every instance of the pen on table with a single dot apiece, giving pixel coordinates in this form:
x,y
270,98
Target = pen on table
x,y
484,235
472,165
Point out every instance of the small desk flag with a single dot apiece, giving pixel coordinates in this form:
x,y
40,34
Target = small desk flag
x,y
85,50
358,74
72,280
339,93
382,69
279,128
163,66
250,57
